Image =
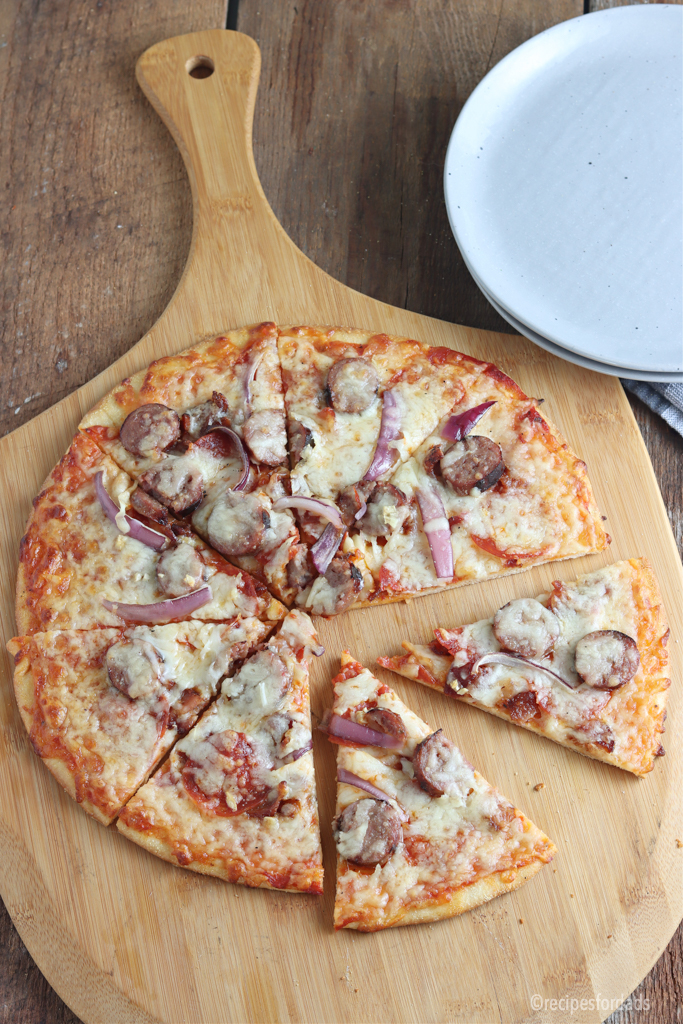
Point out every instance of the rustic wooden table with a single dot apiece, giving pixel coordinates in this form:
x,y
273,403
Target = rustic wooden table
x,y
355,108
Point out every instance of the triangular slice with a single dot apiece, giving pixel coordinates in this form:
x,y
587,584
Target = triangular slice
x,y
103,706
74,558
584,665
494,489
420,834
236,798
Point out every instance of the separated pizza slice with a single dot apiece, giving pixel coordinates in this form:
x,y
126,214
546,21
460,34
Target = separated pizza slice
x,y
584,665
102,707
494,489
420,834
90,559
236,798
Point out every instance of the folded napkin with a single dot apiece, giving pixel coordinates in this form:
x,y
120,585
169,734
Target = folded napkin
x,y
664,399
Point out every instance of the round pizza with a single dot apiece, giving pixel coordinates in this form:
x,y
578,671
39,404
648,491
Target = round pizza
x,y
205,509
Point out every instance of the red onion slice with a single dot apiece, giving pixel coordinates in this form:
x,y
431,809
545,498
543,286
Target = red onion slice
x,y
236,442
513,660
250,378
318,651
162,611
338,727
315,505
324,549
136,529
438,531
389,430
296,754
361,511
459,425
355,780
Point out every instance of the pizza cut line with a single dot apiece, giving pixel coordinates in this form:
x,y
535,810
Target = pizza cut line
x,y
159,672
584,665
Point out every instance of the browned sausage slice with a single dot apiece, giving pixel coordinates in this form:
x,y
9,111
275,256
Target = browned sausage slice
x,y
440,767
606,659
300,437
148,506
180,570
386,721
260,685
526,627
237,523
265,434
380,519
149,430
198,420
176,483
133,668
342,581
300,569
367,832
352,384
473,462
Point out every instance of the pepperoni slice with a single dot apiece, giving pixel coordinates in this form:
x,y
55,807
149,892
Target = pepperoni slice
x,y
133,668
473,462
149,429
230,777
353,385
606,659
237,523
367,832
526,627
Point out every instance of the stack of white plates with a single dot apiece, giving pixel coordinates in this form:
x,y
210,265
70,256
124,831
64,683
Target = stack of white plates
x,y
564,189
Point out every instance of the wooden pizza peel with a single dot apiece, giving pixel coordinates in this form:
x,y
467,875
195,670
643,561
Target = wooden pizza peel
x,y
124,937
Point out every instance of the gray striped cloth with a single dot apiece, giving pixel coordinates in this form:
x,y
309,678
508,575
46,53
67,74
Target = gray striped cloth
x,y
664,399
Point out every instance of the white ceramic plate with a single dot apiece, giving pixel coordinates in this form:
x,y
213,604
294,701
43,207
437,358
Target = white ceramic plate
x,y
563,185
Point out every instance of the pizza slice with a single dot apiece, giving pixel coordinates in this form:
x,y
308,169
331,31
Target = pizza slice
x,y
236,798
584,665
420,835
494,489
90,559
102,707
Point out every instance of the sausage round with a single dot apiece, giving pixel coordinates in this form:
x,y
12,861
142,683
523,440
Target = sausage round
x,y
237,523
133,667
473,462
176,483
265,434
342,581
179,571
526,627
386,721
440,767
380,519
606,659
201,418
149,429
300,569
352,384
300,437
367,832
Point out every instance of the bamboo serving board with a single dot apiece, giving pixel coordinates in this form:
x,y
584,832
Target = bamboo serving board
x,y
124,937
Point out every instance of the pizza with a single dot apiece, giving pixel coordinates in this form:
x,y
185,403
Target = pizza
x,y
103,706
584,665
340,466
420,835
236,798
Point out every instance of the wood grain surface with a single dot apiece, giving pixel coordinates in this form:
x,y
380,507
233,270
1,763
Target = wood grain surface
x,y
307,54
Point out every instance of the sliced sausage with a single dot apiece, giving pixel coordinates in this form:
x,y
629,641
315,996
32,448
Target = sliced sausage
x,y
133,667
300,437
149,429
259,686
386,721
238,522
473,462
522,707
526,627
367,832
440,767
265,434
380,519
180,570
350,501
606,659
342,582
148,506
176,483
300,569
352,384
198,420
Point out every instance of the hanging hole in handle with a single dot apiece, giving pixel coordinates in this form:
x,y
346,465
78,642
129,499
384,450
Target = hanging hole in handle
x,y
199,67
